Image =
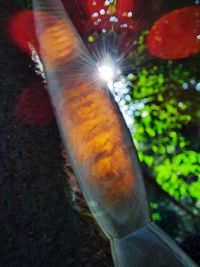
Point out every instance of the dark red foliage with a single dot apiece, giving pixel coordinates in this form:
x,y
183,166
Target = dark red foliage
x,y
176,35
79,14
22,30
33,106
83,26
76,9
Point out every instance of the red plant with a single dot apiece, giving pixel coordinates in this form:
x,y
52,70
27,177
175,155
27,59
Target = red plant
x,y
176,35
33,106
22,30
83,26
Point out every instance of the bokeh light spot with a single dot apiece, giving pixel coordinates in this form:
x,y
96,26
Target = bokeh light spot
x,y
174,35
90,39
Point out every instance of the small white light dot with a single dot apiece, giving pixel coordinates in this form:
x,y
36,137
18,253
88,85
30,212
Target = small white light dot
x,y
94,15
180,104
117,98
118,71
130,76
198,37
185,86
145,114
118,85
130,14
128,98
102,11
112,18
198,87
107,2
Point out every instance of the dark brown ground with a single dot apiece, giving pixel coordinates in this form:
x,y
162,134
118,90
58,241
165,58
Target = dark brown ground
x,y
37,225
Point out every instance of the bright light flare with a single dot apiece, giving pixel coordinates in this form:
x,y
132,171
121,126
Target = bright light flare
x,y
106,72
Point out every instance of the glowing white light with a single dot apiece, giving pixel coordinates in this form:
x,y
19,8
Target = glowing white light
x,y
198,87
130,76
113,19
180,104
106,72
198,37
102,11
125,25
95,14
130,14
185,86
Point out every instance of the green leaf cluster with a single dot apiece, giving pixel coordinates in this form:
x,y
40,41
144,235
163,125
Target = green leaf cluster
x,y
163,113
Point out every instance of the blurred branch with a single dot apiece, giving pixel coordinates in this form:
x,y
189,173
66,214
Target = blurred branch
x,y
149,179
